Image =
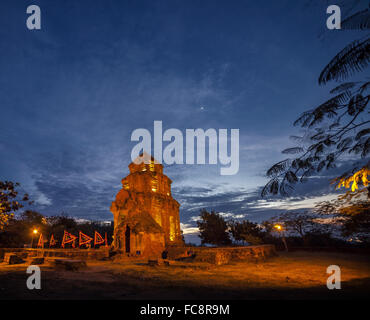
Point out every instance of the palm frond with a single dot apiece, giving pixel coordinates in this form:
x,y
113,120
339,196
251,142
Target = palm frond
x,y
345,143
364,87
366,148
291,177
278,168
344,87
358,21
293,150
285,189
326,109
296,138
306,175
321,166
362,133
304,119
272,187
355,57
357,104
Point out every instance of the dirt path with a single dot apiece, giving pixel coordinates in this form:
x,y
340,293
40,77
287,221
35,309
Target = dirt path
x,y
297,275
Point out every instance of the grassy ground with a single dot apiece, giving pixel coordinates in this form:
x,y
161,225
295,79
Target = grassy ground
x,y
296,275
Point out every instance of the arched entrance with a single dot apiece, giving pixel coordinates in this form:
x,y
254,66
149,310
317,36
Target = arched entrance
x,y
127,239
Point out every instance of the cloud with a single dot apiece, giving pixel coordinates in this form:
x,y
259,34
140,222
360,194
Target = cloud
x,y
71,97
188,228
292,203
43,200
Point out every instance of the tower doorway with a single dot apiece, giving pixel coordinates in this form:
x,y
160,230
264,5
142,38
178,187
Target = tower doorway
x,y
127,239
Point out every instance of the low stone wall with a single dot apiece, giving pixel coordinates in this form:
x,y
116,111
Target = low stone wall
x,y
3,251
88,254
218,256
223,255
177,252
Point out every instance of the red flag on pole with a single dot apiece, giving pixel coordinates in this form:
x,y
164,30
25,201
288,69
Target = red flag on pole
x,y
98,239
84,239
68,238
106,240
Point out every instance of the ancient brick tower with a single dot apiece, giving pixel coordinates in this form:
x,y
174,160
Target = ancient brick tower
x,y
146,217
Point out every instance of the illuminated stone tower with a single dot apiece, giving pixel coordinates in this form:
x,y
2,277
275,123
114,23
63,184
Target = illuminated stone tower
x,y
146,217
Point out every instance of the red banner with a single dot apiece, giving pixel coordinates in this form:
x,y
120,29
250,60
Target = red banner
x,y
84,239
68,238
98,239
52,242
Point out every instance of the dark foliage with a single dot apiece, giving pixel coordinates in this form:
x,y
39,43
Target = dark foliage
x,y
353,214
301,224
358,21
353,58
10,201
337,127
246,231
213,229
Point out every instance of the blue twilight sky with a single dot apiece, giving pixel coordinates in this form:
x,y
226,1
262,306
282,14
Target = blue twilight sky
x,y
72,93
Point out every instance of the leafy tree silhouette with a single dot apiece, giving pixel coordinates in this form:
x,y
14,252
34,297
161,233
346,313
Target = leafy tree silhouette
x,y
10,201
337,127
213,228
